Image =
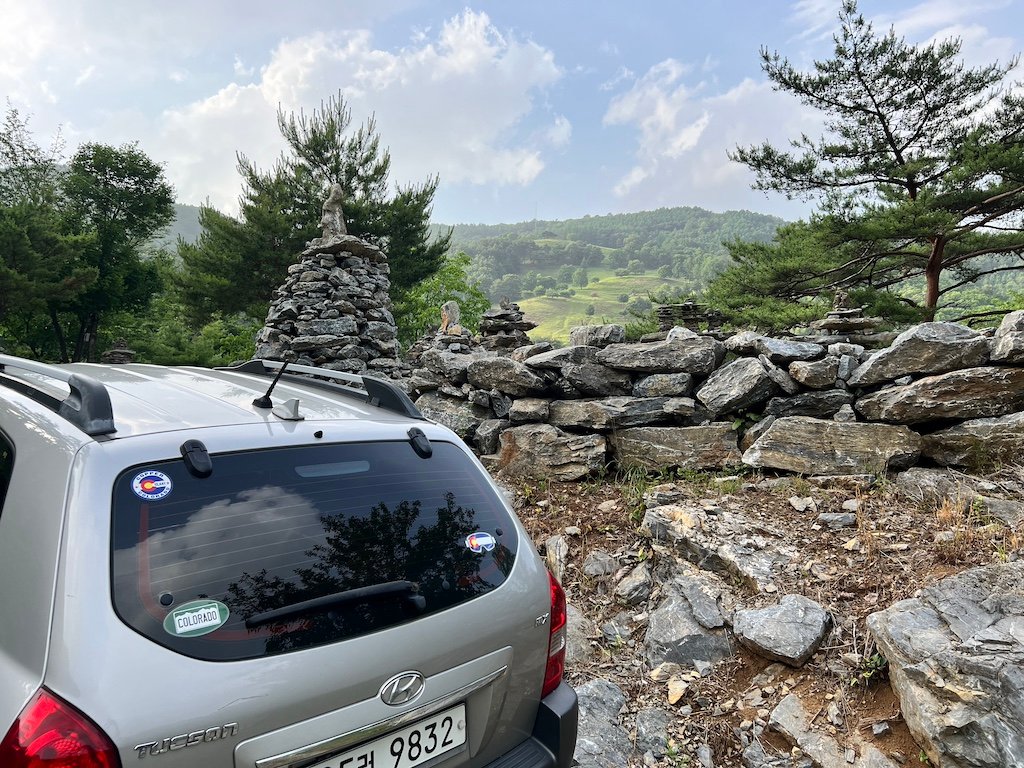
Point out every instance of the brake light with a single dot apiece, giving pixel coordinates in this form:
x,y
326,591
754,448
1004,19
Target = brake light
x,y
50,733
557,639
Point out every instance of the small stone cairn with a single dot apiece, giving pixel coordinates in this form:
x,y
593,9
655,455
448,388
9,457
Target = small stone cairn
x,y
845,319
333,310
504,328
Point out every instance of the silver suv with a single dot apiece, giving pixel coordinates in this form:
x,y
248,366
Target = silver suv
x,y
252,567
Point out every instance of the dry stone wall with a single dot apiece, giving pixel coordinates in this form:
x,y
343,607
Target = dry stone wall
x,y
940,394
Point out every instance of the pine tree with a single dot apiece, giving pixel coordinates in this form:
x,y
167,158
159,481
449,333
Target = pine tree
x,y
920,172
237,263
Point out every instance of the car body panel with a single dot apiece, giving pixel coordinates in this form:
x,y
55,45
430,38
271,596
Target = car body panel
x,y
30,526
488,652
113,663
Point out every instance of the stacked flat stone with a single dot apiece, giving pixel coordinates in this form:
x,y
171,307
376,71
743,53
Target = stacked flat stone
x,y
504,328
333,310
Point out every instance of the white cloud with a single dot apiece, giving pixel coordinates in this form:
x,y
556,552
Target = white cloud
x,y
241,70
925,18
47,92
453,104
623,74
815,18
85,75
177,76
560,132
684,136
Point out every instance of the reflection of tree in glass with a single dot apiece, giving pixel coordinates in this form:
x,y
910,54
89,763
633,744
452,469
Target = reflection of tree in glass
x,y
363,551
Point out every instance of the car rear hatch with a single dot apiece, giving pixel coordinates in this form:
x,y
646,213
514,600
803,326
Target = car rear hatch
x,y
312,606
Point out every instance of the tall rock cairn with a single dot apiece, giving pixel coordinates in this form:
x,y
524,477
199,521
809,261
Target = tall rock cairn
x,y
333,310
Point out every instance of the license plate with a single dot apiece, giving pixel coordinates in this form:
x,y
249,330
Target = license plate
x,y
409,747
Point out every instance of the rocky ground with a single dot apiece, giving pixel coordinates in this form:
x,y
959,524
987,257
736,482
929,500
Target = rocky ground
x,y
852,545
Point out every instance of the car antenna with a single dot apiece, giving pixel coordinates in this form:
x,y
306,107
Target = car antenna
x,y
265,401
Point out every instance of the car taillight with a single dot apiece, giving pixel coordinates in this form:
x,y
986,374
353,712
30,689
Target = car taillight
x,y
556,641
51,733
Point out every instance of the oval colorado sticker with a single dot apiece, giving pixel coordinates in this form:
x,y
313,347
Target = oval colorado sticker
x,y
196,617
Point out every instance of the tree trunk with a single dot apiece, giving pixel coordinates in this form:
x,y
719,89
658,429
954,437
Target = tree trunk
x,y
931,275
62,343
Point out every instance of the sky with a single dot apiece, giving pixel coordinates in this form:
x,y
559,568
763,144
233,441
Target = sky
x,y
525,109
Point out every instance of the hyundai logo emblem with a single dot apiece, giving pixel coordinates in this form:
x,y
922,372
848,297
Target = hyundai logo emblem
x,y
402,689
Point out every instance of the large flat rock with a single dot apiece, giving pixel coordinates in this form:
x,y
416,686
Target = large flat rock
x,y
546,452
978,442
928,348
706,447
616,412
973,393
819,447
697,355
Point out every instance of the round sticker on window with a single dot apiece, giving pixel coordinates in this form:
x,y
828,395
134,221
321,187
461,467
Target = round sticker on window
x,y
151,485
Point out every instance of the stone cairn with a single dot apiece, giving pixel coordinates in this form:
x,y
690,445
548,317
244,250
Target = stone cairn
x,y
847,320
689,314
333,310
504,328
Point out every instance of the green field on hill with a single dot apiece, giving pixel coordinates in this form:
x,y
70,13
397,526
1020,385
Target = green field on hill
x,y
556,316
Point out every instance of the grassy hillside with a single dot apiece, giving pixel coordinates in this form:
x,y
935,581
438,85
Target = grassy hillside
x,y
556,316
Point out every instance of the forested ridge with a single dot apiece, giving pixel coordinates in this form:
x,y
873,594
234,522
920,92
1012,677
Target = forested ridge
x,y
686,243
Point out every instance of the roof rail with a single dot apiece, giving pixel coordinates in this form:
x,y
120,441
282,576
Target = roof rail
x,y
378,392
87,406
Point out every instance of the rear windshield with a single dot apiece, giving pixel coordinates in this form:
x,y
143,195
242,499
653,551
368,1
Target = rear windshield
x,y
284,549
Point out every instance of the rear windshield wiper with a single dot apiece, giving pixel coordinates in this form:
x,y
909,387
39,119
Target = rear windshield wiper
x,y
408,591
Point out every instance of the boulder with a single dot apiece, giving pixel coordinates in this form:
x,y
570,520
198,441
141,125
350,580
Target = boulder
x,y
928,348
817,446
601,741
675,636
635,587
460,416
529,409
743,343
616,412
658,448
790,632
972,393
487,433
821,405
977,443
451,365
556,358
956,661
521,354
818,374
652,727
579,630
782,379
505,375
736,386
594,379
785,351
1007,345
597,335
546,452
664,385
792,719
698,356
727,543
